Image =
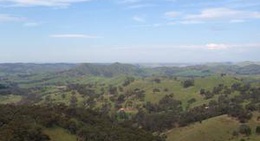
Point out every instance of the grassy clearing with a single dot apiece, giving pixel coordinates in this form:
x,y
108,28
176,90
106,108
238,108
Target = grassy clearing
x,y
10,99
174,86
59,134
215,129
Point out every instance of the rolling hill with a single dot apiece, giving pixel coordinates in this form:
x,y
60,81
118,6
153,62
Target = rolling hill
x,y
214,129
154,99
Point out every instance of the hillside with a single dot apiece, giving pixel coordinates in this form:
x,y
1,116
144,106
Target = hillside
x,y
30,68
154,100
36,123
214,129
106,70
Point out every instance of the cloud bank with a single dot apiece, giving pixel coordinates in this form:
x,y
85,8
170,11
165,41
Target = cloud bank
x,y
74,36
220,14
48,3
10,18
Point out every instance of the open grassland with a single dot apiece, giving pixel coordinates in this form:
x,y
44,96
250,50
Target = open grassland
x,y
50,91
59,134
175,87
10,99
214,129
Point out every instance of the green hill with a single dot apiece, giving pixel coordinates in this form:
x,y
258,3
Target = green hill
x,y
106,70
151,99
31,68
219,128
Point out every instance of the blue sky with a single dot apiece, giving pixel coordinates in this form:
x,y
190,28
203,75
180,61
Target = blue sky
x,y
129,31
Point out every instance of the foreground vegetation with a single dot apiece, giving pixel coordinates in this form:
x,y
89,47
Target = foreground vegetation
x,y
23,123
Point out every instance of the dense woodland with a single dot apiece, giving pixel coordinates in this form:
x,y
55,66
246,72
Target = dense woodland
x,y
123,102
25,123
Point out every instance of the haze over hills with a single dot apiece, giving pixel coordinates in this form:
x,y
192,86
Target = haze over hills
x,y
112,69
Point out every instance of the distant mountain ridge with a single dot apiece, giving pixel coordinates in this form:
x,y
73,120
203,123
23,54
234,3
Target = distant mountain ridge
x,y
249,69
31,68
115,69
107,70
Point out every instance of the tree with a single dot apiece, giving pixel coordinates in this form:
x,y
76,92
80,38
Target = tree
x,y
257,130
235,133
112,90
188,83
48,99
122,115
157,80
121,98
128,81
73,101
202,91
245,129
192,100
156,90
63,96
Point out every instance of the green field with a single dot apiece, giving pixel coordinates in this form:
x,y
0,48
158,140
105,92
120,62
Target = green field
x,y
175,87
59,134
214,129
10,99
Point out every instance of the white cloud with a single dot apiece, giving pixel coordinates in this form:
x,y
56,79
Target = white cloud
x,y
129,1
31,24
172,14
222,14
213,15
190,22
10,18
213,46
138,19
136,6
237,21
74,36
155,25
49,3
218,46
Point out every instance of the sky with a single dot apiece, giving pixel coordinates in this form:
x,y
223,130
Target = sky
x,y
129,31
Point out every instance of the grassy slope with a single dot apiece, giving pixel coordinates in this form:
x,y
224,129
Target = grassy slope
x,y
59,134
175,87
10,99
215,129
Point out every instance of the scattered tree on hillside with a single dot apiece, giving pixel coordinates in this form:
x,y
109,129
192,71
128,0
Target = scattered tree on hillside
x,y
235,133
245,129
157,80
73,101
128,80
257,130
192,100
188,83
202,91
112,90
156,90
